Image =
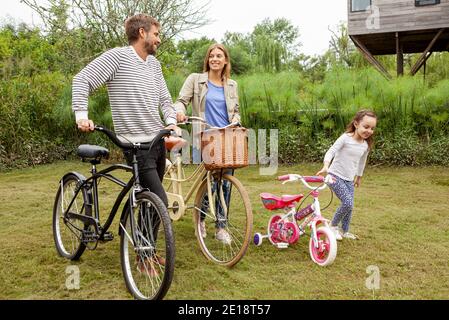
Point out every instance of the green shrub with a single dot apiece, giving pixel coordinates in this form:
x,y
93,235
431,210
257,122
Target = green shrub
x,y
37,124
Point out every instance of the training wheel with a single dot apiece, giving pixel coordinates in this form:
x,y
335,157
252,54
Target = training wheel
x,y
258,239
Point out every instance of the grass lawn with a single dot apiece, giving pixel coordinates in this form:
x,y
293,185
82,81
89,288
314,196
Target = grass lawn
x,y
401,216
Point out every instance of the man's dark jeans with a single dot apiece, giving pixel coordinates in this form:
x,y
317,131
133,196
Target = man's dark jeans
x,y
151,165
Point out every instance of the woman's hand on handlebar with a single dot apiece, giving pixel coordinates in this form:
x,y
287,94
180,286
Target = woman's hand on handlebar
x,y
181,117
85,125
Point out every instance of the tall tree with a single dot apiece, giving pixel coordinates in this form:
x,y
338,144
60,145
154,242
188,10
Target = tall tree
x,y
187,48
237,39
103,20
342,50
281,30
275,43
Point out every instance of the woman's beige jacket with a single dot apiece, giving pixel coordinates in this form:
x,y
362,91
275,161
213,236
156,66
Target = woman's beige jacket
x,y
195,90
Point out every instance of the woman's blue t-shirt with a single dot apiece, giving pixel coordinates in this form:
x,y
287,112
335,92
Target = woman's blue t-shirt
x,y
216,110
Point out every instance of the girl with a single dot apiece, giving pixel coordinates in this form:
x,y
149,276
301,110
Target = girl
x,y
214,97
348,156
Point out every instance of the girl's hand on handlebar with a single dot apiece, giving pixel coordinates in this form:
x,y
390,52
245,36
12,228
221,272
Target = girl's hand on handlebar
x,y
323,172
85,125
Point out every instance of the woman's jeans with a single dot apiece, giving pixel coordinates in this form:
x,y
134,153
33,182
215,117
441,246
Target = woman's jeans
x,y
221,221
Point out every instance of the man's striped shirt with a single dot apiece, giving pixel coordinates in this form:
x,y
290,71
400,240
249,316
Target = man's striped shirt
x,y
136,89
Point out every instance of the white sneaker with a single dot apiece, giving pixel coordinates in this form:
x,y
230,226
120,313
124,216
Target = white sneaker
x,y
223,236
203,229
350,236
337,233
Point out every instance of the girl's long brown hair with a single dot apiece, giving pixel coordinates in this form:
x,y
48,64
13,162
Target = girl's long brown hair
x,y
357,119
226,73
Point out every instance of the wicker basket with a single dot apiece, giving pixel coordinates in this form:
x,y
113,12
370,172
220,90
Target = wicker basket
x,y
225,148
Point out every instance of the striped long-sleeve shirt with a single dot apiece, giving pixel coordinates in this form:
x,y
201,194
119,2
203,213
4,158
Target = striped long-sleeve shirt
x,y
136,89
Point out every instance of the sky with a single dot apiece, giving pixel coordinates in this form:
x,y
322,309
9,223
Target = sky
x,y
313,18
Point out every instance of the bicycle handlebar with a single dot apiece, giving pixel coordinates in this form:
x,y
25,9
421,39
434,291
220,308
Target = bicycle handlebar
x,y
307,179
142,146
192,118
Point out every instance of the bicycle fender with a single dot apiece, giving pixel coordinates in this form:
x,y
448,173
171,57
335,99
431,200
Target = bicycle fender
x,y
319,220
81,178
77,174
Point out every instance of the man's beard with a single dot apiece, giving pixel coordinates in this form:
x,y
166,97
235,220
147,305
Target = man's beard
x,y
150,47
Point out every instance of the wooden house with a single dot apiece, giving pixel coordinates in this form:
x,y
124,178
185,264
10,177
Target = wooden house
x,y
383,27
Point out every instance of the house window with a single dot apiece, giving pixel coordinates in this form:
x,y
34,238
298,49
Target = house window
x,y
420,3
360,5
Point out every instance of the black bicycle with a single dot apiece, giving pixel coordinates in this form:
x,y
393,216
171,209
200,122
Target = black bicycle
x,y
147,245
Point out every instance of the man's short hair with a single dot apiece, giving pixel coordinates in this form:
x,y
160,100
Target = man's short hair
x,y
134,23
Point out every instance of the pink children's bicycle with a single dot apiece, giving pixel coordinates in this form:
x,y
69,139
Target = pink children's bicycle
x,y
286,229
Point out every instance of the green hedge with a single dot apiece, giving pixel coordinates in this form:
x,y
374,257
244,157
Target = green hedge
x,y
37,124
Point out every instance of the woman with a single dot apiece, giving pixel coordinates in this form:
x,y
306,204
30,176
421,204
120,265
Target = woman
x,y
214,97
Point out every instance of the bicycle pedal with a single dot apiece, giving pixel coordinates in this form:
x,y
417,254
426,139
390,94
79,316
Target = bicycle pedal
x,y
108,236
282,245
89,237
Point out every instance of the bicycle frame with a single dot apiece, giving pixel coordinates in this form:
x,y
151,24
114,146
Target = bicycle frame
x,y
284,230
312,220
311,214
91,185
197,177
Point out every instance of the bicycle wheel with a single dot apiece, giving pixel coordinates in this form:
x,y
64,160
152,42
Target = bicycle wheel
x,y
67,233
326,252
235,217
147,248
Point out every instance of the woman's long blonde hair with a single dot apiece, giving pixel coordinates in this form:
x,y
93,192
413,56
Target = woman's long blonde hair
x,y
226,73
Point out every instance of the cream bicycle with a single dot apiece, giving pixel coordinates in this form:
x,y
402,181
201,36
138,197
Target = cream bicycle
x,y
221,202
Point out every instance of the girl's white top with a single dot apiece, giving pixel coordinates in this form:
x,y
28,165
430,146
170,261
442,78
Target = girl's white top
x,y
348,157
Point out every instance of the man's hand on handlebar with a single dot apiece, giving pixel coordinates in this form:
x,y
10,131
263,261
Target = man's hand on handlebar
x,y
176,129
85,125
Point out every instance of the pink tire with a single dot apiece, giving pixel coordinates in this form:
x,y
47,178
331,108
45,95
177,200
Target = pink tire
x,y
326,252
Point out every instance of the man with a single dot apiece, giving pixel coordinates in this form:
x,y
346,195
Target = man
x,y
137,90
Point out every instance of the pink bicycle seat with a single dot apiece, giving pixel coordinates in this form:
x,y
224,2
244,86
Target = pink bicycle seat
x,y
272,202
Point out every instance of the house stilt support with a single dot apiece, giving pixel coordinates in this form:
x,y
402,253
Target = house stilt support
x,y
367,54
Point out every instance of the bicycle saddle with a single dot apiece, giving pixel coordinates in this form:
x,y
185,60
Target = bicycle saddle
x,y
86,151
272,202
